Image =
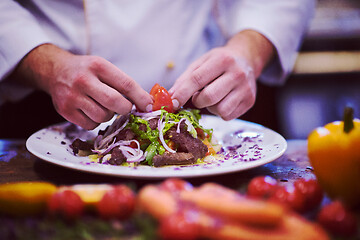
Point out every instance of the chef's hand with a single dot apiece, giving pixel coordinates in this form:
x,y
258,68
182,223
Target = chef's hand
x,y
85,90
224,79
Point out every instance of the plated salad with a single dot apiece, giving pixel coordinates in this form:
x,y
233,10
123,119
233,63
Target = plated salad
x,y
157,138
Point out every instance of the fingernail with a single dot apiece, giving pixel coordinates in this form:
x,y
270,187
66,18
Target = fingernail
x,y
175,103
149,108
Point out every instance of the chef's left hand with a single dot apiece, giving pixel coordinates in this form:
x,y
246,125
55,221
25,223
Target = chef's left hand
x,y
224,79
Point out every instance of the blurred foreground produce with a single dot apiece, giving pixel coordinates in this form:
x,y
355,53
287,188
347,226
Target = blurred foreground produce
x,y
215,212
334,153
117,203
338,220
25,198
302,196
105,200
173,209
67,204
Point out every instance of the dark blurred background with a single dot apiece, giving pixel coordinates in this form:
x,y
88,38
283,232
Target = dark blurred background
x,y
326,76
325,79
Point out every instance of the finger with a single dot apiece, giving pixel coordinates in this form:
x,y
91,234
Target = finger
x,y
79,118
66,105
193,66
75,115
108,97
117,79
214,92
95,111
193,80
233,105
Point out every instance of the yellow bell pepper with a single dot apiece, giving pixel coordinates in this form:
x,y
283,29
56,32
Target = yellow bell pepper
x,y
25,198
334,153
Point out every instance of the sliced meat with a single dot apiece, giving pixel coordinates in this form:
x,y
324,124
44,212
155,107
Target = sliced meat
x,y
80,145
142,127
153,123
187,143
179,158
125,134
117,157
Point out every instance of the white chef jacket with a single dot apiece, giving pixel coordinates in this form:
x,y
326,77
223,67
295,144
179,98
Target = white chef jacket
x,y
150,40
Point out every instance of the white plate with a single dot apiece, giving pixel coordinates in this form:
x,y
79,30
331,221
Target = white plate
x,y
259,145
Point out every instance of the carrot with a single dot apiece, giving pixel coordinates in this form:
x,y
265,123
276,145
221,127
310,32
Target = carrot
x,y
156,202
229,204
222,213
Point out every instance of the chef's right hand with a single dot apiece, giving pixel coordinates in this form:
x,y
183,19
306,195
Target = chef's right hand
x,y
85,90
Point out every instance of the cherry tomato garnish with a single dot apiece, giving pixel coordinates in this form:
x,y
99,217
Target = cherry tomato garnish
x,y
133,145
161,98
117,203
261,187
200,133
155,89
67,204
336,219
180,226
312,192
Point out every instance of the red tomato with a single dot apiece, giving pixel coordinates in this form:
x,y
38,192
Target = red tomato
x,y
175,185
200,133
335,218
179,226
261,187
289,196
67,204
133,145
312,192
161,98
118,203
155,89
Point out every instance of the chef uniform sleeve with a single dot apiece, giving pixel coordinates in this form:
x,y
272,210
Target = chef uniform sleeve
x,y
19,34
